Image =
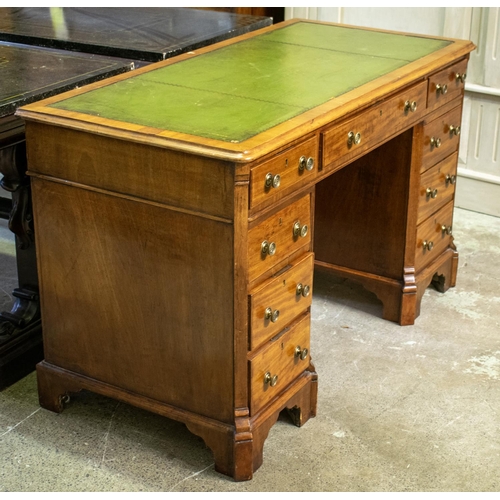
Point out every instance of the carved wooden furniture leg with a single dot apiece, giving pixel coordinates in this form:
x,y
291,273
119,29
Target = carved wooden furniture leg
x,y
302,405
401,303
442,275
305,402
20,328
54,387
249,442
446,275
231,446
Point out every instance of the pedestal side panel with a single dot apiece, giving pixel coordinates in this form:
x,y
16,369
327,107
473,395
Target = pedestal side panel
x,y
138,296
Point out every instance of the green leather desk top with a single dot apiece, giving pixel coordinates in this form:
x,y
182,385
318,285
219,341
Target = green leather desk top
x,y
240,90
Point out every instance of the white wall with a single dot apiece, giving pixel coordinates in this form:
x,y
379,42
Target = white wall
x,y
478,186
413,19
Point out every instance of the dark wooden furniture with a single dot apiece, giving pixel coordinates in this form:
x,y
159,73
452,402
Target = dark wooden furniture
x,y
139,33
189,198
277,13
31,72
28,74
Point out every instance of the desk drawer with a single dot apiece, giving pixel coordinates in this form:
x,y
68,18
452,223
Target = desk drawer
x,y
441,137
437,187
340,142
434,236
446,84
281,361
278,236
283,173
280,293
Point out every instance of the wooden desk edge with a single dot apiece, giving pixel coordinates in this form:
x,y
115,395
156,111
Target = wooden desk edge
x,y
265,142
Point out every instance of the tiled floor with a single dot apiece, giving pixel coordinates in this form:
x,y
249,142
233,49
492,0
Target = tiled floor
x,y
413,408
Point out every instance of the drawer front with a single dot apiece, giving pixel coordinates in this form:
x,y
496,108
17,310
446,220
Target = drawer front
x,y
283,173
280,299
275,238
437,187
441,137
279,363
446,84
434,236
340,142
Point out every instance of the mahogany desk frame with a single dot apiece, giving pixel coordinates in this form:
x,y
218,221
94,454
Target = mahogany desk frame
x,y
226,257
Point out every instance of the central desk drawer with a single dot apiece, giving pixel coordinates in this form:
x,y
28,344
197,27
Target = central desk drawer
x,y
350,139
437,187
274,367
434,236
280,299
278,236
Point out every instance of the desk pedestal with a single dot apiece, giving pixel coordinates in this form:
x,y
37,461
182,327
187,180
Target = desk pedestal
x,y
366,227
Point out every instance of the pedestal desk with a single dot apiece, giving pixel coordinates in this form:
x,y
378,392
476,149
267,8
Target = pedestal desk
x,y
177,210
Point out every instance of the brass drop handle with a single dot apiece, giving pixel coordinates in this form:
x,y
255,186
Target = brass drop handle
x,y
429,245
353,138
272,315
435,142
272,180
303,290
441,89
410,106
431,193
455,130
450,179
272,380
446,230
460,77
301,353
306,163
299,230
268,248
